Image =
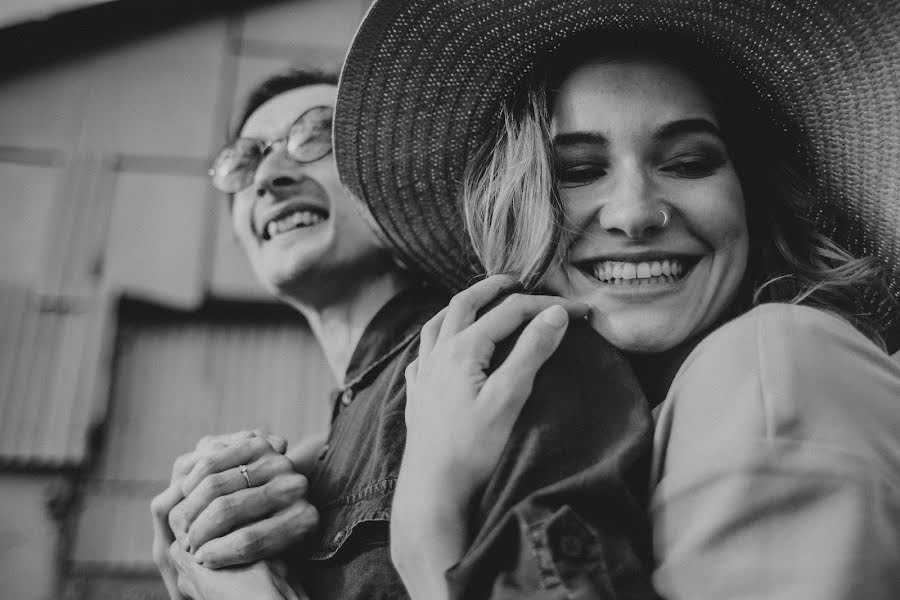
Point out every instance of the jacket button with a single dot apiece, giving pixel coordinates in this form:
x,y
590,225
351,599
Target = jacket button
x,y
347,397
571,546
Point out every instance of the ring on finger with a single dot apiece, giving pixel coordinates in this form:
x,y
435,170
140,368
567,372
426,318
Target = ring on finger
x,y
243,470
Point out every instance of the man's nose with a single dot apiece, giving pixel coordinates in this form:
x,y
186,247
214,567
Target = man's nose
x,y
277,174
634,206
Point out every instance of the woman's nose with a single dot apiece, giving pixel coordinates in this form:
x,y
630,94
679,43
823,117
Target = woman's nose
x,y
634,208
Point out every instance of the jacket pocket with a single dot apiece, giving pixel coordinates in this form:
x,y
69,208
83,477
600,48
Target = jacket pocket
x,y
357,520
587,563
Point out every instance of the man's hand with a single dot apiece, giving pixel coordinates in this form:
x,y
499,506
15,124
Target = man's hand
x,y
210,510
263,580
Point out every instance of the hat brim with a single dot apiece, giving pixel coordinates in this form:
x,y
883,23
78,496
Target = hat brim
x,y
424,81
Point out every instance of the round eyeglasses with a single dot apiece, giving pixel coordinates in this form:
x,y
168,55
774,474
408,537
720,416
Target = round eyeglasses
x,y
308,140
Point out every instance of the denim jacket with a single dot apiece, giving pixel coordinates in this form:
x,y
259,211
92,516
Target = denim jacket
x,y
563,516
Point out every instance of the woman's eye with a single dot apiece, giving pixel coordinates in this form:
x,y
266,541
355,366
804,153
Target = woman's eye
x,y
693,166
574,175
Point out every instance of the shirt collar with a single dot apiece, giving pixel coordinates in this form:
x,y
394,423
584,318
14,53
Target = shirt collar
x,y
391,329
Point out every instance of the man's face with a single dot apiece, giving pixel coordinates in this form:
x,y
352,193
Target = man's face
x,y
300,229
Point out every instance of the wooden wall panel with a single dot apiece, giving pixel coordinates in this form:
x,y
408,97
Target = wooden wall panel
x,y
157,238
157,96
323,23
26,204
43,109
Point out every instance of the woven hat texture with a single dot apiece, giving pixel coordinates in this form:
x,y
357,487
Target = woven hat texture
x,y
424,81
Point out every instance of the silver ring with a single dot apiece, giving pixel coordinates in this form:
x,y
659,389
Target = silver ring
x,y
665,218
243,470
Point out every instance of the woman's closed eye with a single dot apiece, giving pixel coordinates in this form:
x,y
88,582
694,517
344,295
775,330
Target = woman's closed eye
x,y
577,173
694,165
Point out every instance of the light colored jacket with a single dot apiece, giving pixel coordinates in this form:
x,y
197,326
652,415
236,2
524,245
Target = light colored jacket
x,y
776,470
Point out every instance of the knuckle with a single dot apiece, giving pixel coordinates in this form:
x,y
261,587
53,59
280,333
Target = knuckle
x,y
516,303
282,463
176,519
206,464
249,543
294,486
212,486
462,348
462,302
223,508
259,445
182,463
158,506
309,516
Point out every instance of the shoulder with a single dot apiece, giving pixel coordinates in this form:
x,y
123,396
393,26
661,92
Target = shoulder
x,y
787,373
786,349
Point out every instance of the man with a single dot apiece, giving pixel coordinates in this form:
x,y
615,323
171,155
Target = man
x,y
236,498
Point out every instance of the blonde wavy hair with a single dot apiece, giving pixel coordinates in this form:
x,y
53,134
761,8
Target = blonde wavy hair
x,y
517,226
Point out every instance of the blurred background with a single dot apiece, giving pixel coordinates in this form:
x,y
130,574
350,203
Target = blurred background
x,y
130,323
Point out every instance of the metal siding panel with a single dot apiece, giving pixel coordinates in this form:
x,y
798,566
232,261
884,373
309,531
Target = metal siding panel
x,y
50,371
180,381
182,378
80,218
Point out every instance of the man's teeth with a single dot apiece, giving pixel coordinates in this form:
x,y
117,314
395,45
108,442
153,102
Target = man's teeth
x,y
303,218
645,272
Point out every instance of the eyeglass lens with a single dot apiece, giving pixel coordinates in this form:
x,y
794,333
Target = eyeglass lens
x,y
308,140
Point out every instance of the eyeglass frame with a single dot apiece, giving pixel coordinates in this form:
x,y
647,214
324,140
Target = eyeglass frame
x,y
264,146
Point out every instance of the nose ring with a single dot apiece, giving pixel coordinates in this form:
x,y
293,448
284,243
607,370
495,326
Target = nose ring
x,y
665,218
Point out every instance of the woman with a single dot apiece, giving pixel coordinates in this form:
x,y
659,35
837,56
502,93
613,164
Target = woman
x,y
660,170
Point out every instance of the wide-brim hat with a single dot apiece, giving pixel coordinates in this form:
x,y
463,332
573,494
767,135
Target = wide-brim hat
x,y
424,81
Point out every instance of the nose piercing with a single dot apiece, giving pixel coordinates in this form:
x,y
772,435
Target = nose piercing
x,y
665,218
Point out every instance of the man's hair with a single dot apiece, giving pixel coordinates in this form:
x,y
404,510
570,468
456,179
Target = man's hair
x,y
278,83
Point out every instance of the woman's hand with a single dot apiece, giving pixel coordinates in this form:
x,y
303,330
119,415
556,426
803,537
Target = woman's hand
x,y
264,580
459,418
209,508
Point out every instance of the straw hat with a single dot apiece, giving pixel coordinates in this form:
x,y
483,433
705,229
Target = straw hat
x,y
424,80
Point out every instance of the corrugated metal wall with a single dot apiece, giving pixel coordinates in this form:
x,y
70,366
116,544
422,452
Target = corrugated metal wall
x,y
179,377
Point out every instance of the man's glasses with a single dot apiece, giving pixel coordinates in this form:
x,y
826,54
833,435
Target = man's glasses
x,y
308,140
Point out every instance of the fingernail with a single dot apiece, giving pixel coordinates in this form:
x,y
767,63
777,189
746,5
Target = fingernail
x,y
199,556
556,316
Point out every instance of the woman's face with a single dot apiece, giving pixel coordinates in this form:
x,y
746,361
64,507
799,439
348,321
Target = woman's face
x,y
659,238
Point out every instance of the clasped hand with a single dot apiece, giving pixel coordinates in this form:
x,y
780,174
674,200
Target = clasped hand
x,y
210,514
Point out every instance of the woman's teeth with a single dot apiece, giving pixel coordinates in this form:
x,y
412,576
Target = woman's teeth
x,y
617,272
303,218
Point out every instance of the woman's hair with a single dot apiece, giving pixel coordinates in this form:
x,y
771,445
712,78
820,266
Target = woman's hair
x,y
517,226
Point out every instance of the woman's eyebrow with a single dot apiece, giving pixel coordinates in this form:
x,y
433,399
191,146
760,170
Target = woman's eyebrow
x,y
686,126
580,137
